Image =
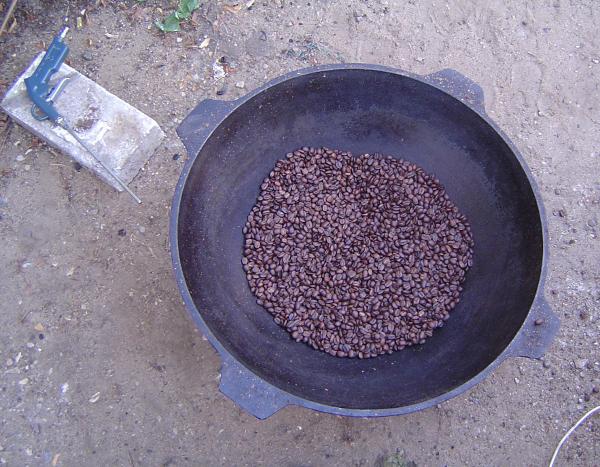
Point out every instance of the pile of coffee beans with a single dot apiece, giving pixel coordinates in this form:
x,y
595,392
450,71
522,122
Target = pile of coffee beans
x,y
355,256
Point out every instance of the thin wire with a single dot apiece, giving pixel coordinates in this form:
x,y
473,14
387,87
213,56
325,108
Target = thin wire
x,y
573,428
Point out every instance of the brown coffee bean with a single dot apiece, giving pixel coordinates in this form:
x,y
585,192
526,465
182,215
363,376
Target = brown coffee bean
x,y
355,256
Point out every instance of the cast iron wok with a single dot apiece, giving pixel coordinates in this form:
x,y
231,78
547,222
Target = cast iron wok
x,y
437,121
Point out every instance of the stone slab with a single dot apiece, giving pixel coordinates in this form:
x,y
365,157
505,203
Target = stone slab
x,y
121,135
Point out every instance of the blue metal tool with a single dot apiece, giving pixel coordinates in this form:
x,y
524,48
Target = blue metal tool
x,y
38,89
38,84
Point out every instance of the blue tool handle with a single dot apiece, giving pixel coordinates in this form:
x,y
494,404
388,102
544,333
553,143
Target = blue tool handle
x,y
37,84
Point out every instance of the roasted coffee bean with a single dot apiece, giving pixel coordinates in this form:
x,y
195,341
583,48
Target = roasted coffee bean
x,y
355,256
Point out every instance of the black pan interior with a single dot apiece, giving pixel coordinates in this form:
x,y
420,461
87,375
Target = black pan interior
x,y
363,111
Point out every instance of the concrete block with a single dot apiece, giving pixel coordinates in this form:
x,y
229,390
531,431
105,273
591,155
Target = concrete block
x,y
122,136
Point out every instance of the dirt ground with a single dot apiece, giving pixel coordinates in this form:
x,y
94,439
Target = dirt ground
x,y
101,365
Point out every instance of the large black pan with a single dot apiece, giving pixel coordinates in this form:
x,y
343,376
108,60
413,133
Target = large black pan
x,y
437,121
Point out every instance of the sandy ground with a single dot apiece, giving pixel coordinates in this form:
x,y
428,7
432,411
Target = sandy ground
x,y
99,363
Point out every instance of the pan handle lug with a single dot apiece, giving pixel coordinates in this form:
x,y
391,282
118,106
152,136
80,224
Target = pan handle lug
x,y
250,392
459,86
538,332
195,129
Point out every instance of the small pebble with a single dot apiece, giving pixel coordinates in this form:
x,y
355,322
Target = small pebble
x,y
546,364
77,166
595,389
580,363
240,85
87,56
592,223
538,322
24,381
41,336
586,397
27,167
176,156
222,91
121,232
263,36
20,158
9,362
30,345
142,229
218,71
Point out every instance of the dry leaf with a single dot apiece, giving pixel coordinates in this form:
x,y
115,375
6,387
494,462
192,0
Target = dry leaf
x,y
39,327
232,8
204,43
55,459
195,17
137,13
70,271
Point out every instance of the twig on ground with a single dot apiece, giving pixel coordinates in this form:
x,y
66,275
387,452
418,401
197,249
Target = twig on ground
x,y
143,244
9,13
6,133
